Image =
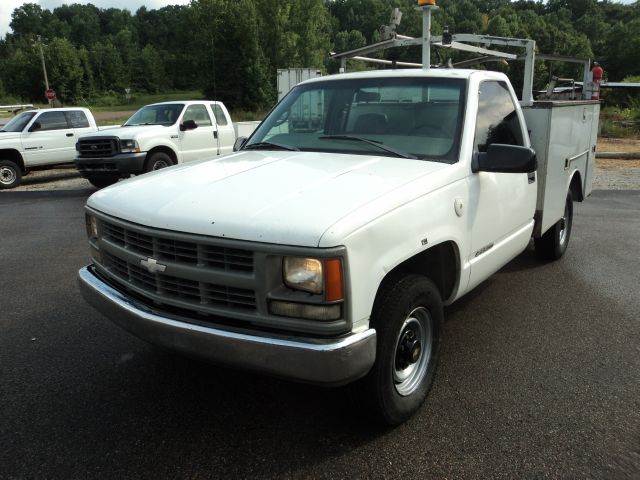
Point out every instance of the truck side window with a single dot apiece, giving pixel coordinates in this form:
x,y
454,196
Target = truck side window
x,y
52,121
497,120
221,119
77,119
199,114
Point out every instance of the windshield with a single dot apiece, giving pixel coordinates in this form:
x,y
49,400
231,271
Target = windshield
x,y
18,123
411,117
163,114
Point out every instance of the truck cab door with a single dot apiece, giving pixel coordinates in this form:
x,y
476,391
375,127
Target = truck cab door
x,y
226,132
49,139
199,142
501,205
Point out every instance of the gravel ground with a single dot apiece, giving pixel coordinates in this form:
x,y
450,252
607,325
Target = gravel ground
x,y
610,174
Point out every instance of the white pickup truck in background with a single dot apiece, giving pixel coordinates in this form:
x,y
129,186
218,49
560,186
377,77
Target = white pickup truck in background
x,y
324,250
38,139
158,136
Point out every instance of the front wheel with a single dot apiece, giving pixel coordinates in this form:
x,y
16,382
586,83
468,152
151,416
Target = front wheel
x,y
10,174
408,320
157,161
553,244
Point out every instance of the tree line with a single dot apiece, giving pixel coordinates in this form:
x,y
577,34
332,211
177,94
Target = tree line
x,y
230,49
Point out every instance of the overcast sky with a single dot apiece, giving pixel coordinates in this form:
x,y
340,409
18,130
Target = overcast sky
x,y
8,6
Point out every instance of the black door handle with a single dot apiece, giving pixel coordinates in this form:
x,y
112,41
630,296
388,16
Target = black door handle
x,y
215,134
69,134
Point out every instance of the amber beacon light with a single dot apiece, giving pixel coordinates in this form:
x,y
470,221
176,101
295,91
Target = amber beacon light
x,y
426,2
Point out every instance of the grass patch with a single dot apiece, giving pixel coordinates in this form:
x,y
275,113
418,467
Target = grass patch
x,y
618,122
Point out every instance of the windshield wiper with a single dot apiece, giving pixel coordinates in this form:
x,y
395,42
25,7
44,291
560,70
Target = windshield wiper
x,y
269,145
375,143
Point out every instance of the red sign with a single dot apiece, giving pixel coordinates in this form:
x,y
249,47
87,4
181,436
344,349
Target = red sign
x,y
50,94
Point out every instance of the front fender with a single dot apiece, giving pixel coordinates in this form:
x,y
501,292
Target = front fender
x,y
383,244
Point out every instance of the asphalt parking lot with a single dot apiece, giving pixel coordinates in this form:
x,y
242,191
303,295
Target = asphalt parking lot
x,y
539,375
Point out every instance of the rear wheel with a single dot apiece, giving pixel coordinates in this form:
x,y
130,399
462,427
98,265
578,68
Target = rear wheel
x,y
102,181
157,161
408,319
10,174
553,244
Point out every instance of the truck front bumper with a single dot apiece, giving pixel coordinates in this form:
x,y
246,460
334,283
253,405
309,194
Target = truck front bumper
x,y
329,362
121,165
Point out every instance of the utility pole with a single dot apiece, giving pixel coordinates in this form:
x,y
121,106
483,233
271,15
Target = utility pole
x,y
44,67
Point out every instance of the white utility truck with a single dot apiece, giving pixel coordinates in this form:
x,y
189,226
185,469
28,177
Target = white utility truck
x,y
38,139
158,136
324,252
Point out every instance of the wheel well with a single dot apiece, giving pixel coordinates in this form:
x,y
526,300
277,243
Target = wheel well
x,y
167,150
14,156
576,187
440,263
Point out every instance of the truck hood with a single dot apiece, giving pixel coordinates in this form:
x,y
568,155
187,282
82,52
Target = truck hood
x,y
279,197
9,135
132,133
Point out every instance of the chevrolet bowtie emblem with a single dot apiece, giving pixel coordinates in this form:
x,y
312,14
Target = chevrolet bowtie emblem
x,y
152,265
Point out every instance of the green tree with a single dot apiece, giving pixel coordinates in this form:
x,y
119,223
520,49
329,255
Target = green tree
x,y
498,27
150,74
240,80
22,74
64,69
87,84
29,20
82,21
107,66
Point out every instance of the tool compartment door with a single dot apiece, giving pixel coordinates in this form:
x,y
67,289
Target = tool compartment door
x,y
562,134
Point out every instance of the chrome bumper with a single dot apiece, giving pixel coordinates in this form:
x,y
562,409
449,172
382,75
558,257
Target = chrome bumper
x,y
330,362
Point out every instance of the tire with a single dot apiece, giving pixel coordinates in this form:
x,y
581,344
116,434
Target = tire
x,y
102,181
10,174
157,161
553,244
408,320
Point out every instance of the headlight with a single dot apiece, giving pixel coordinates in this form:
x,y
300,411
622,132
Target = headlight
x,y
315,276
127,146
92,226
303,274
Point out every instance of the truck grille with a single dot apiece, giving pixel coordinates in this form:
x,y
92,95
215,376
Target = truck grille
x,y
170,287
192,273
229,259
98,147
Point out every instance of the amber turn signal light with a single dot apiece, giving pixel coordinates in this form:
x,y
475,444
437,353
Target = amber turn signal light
x,y
333,280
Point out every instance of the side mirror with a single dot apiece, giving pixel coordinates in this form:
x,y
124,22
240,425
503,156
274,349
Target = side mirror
x,y
35,126
239,143
188,125
501,158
